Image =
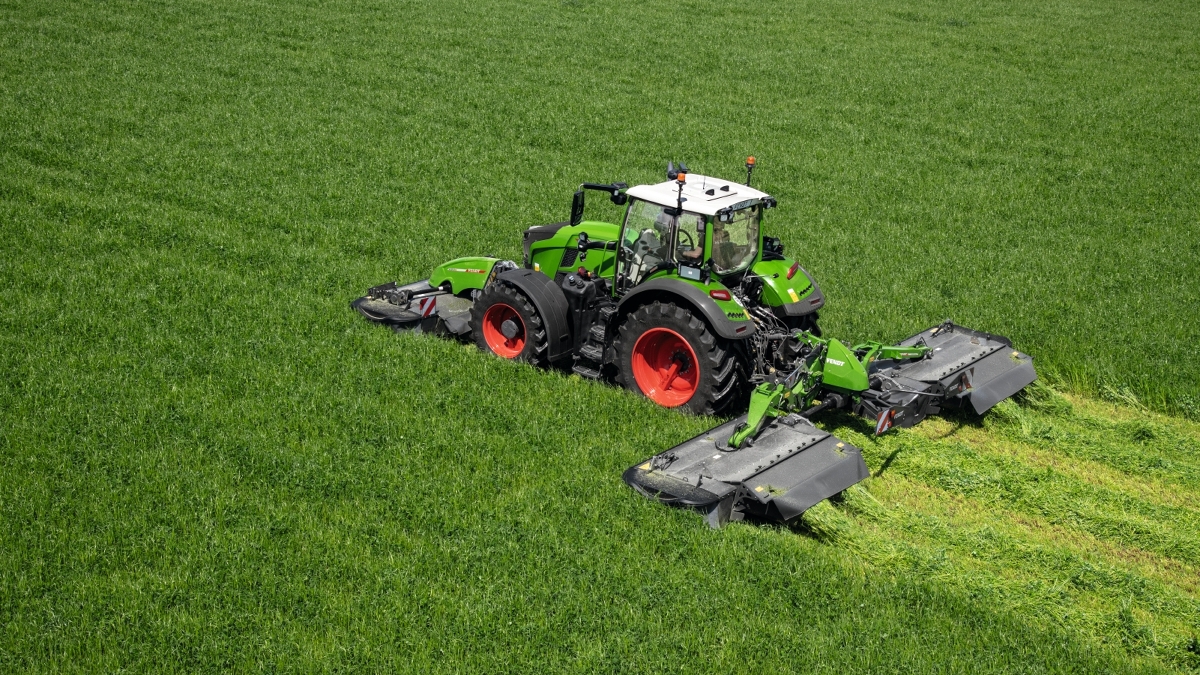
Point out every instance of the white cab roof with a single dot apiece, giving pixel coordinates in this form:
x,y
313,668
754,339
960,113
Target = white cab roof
x,y
695,191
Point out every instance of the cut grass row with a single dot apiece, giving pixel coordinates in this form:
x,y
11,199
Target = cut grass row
x,y
1071,532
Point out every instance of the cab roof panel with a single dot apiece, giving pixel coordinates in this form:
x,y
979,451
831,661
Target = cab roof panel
x,y
696,192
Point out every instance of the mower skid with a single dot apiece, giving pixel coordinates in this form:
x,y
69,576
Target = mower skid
x,y
417,307
966,364
790,467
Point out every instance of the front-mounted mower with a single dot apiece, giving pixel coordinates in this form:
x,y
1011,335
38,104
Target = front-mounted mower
x,y
687,302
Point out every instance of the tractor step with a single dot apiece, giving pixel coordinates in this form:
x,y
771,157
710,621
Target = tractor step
x,y
598,332
791,466
592,352
585,372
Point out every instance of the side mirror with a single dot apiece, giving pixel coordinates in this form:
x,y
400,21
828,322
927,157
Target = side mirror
x,y
577,208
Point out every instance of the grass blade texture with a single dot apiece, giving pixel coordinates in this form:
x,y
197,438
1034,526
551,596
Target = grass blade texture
x,y
209,463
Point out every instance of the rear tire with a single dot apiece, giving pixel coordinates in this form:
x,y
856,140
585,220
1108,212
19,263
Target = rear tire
x,y
669,355
505,323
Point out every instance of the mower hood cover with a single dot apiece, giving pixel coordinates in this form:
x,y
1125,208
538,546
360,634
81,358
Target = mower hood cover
x,y
789,468
971,365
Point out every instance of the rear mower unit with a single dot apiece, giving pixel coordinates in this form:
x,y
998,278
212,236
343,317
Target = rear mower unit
x,y
772,463
687,302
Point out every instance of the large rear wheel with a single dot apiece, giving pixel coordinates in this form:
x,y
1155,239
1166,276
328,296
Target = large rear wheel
x,y
669,355
505,322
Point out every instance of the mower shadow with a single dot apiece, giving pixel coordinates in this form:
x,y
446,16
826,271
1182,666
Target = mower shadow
x,y
959,417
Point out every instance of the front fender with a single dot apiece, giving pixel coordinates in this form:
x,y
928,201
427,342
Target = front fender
x,y
727,318
551,305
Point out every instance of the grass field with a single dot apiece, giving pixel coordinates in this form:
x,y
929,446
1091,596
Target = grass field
x,y
208,462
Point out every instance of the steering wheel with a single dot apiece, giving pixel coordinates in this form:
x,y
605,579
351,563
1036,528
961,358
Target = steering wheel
x,y
691,243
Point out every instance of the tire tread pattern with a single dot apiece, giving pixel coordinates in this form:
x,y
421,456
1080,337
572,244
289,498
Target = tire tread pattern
x,y
536,344
720,367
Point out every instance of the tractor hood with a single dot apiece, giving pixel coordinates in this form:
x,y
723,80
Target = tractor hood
x,y
705,195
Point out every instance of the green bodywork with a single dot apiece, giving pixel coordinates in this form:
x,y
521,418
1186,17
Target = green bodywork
x,y
830,366
546,256
777,288
842,370
463,274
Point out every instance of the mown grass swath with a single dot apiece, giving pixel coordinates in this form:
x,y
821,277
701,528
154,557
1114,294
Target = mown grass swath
x,y
208,462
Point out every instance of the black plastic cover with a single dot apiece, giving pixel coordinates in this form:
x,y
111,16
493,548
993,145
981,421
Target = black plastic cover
x,y
539,233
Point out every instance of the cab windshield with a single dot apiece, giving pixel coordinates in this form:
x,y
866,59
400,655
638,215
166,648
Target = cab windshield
x,y
655,237
735,241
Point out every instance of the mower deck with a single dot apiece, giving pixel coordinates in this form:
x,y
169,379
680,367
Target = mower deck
x,y
416,307
791,466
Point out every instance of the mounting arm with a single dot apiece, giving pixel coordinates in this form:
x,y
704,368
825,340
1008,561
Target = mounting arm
x,y
776,399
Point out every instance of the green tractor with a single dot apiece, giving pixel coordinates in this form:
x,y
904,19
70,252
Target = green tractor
x,y
677,302
688,303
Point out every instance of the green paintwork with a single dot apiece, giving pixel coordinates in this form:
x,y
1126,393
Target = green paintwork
x,y
776,285
732,310
843,370
830,365
765,404
874,350
546,255
463,273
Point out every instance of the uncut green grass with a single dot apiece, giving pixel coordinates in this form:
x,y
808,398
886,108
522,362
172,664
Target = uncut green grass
x,y
207,462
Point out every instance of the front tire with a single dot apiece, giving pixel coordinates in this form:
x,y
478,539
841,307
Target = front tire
x,y
669,355
505,323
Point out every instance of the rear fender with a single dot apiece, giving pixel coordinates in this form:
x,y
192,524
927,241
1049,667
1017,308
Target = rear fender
x,y
719,315
551,305
797,296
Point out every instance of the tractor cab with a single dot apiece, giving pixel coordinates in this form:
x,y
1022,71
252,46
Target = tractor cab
x,y
695,224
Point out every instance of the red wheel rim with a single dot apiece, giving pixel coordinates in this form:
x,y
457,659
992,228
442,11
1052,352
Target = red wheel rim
x,y
665,367
493,334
